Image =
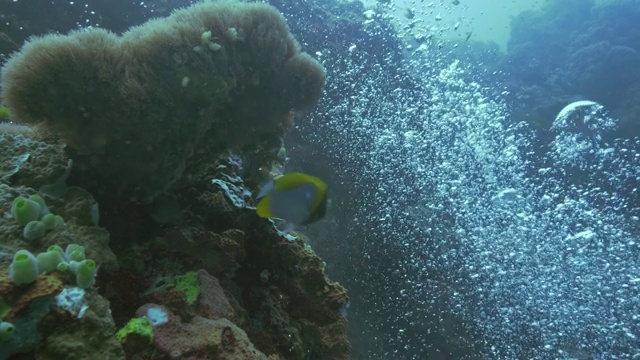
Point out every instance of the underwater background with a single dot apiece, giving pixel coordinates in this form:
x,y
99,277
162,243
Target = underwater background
x,y
482,161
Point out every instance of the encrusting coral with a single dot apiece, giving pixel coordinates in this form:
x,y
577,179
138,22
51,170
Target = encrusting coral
x,y
134,109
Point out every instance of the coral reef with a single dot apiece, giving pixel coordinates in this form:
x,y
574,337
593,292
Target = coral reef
x,y
147,145
40,326
87,337
203,338
76,207
28,161
272,288
575,50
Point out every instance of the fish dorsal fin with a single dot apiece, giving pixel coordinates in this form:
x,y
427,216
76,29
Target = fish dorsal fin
x,y
294,179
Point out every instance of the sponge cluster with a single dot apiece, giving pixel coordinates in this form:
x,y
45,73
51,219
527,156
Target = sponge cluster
x,y
35,216
26,267
136,109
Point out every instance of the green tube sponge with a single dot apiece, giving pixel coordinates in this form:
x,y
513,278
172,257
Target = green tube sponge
x,y
34,230
59,220
6,331
23,268
49,221
76,255
69,252
5,113
44,210
63,266
85,272
25,210
56,248
48,261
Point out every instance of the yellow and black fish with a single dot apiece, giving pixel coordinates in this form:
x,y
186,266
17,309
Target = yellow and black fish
x,y
297,198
